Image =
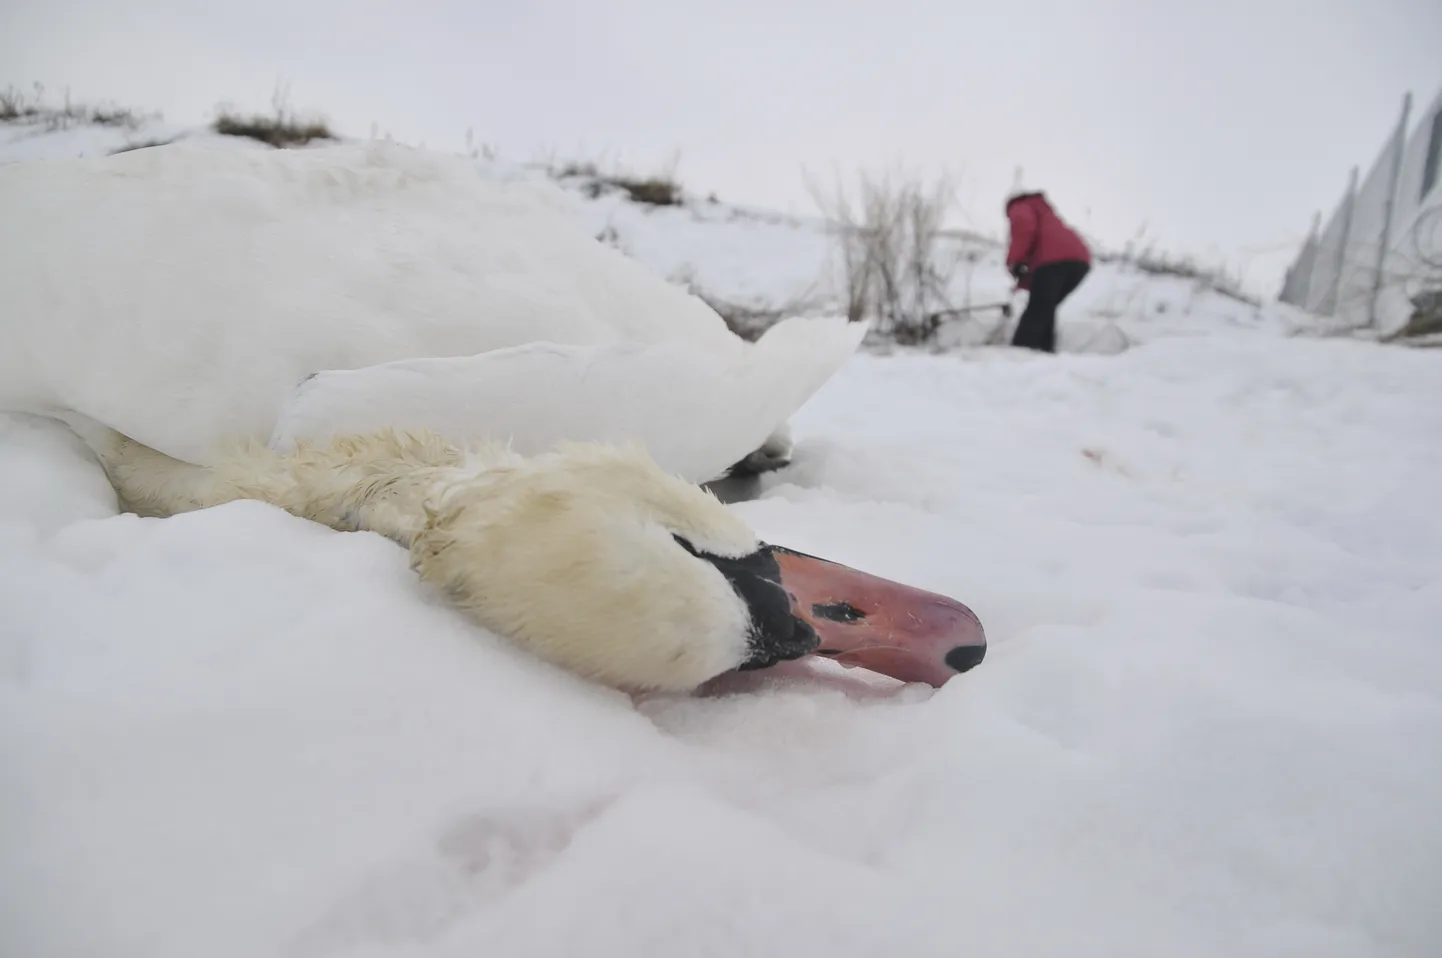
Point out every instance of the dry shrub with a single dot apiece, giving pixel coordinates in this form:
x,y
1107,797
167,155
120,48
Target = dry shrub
x,y
281,128
18,106
661,188
887,238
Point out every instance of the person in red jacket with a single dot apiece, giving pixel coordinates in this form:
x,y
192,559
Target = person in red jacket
x,y
1046,257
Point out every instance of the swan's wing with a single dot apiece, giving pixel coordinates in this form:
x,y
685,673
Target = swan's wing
x,y
697,411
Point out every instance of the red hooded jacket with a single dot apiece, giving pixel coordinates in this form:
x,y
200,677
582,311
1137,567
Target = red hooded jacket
x,y
1039,237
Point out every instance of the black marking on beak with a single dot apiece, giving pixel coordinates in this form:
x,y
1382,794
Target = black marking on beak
x,y
776,634
964,658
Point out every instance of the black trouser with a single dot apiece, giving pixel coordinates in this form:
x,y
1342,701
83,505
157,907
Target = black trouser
x,y
1050,284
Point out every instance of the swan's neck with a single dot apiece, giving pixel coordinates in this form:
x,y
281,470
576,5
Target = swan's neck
x,y
379,483
383,482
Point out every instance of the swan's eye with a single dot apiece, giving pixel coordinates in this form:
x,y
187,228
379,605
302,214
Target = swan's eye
x,y
843,612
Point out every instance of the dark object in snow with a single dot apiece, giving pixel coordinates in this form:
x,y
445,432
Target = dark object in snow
x,y
1424,323
277,131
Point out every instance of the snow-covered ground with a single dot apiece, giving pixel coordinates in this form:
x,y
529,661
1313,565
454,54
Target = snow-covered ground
x,y
769,261
1210,568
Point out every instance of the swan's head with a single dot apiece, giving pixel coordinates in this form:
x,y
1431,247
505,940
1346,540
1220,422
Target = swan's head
x,y
596,559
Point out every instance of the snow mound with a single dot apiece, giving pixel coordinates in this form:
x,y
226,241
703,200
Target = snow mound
x,y
1098,338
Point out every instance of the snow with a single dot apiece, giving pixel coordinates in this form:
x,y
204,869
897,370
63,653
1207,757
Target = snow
x,y
747,257
31,141
1210,567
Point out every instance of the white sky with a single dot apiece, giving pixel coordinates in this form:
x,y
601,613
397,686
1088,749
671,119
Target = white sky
x,y
1220,126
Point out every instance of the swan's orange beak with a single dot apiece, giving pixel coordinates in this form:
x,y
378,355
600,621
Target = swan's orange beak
x,y
884,626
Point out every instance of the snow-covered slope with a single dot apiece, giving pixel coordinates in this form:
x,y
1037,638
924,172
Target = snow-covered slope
x,y
1209,567
779,263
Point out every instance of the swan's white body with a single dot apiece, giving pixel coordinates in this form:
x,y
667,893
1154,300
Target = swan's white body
x,y
182,295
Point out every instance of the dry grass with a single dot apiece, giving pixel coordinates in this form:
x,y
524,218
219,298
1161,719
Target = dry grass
x,y
653,191
1147,258
279,131
20,106
281,128
661,188
1142,254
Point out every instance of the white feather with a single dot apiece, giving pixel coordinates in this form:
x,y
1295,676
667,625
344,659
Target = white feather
x,y
696,411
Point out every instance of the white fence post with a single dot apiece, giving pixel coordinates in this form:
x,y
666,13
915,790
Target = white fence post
x,y
1399,201
1384,244
1329,305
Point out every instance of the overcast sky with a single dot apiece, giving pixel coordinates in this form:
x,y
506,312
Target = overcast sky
x,y
1219,126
